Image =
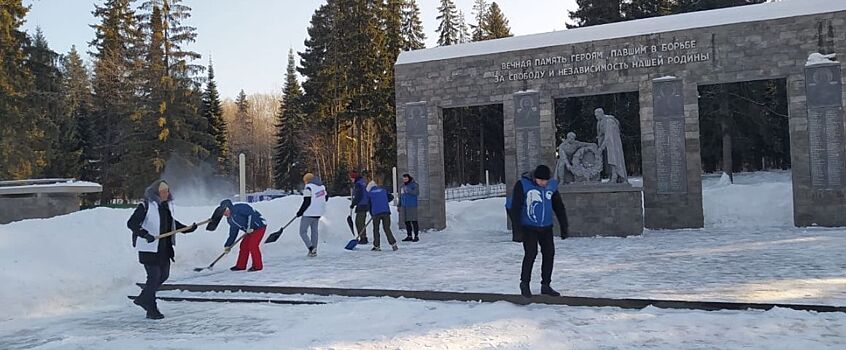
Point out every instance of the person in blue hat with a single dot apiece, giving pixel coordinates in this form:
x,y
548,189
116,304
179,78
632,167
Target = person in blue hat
x,y
242,217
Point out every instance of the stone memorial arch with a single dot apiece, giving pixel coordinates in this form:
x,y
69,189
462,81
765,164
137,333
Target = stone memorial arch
x,y
664,60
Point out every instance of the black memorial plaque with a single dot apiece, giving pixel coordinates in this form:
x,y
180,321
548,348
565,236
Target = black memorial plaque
x,y
824,91
527,125
671,158
417,145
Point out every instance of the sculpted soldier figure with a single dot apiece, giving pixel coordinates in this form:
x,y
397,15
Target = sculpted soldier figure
x,y
608,138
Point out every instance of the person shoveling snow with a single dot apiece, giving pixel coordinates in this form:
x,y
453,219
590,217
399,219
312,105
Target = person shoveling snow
x,y
155,215
242,217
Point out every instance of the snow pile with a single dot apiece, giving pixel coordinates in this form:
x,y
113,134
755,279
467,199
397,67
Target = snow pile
x,y
50,265
818,58
763,199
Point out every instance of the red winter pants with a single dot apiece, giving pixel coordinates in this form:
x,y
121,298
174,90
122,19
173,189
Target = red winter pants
x,y
250,248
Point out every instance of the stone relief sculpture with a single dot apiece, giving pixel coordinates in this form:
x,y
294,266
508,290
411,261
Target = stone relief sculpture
x,y
608,137
581,162
578,161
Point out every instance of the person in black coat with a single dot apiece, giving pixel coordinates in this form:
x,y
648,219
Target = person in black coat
x,y
154,217
533,201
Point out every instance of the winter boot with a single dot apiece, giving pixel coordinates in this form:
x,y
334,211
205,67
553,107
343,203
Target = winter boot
x,y
253,269
154,314
408,239
376,249
547,290
138,302
312,252
236,268
416,238
394,247
525,291
362,240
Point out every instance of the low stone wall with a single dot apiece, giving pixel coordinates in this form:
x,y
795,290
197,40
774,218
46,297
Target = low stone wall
x,y
607,210
36,206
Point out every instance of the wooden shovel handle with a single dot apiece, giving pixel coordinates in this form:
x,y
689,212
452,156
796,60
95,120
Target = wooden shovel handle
x,y
171,233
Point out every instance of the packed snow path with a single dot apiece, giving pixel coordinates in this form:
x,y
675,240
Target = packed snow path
x,y
405,324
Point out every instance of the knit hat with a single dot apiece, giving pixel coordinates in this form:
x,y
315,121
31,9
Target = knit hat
x,y
542,172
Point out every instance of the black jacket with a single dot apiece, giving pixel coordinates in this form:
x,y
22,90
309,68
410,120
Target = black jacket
x,y
165,251
518,201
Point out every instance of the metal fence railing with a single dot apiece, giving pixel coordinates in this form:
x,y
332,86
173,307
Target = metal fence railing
x,y
473,192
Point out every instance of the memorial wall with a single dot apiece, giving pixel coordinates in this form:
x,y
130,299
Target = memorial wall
x,y
664,60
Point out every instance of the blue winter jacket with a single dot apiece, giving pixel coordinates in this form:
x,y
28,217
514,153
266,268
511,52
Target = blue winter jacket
x,y
242,217
379,201
408,197
360,199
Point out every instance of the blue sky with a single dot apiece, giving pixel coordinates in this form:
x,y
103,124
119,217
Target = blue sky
x,y
249,39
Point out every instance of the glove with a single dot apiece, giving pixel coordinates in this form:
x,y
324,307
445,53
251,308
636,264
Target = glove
x,y
150,238
299,214
227,249
352,206
192,228
249,230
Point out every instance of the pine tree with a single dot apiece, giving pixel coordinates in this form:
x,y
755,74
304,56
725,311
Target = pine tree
x,y
323,67
173,89
288,161
682,6
495,25
391,18
463,30
17,130
44,104
117,48
412,27
480,11
76,131
213,114
637,9
593,12
448,27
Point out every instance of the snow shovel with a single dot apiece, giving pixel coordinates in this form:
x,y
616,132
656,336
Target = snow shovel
x,y
198,269
354,242
212,224
275,236
350,222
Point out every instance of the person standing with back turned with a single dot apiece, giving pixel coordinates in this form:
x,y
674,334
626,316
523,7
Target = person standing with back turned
x,y
534,199
361,203
408,207
313,207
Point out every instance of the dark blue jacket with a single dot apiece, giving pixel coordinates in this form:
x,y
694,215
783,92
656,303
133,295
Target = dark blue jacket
x,y
360,199
408,197
379,201
242,217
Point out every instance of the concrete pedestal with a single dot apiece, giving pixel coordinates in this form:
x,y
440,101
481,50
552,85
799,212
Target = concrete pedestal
x,y
603,210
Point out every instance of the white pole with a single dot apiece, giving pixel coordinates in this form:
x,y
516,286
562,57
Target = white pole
x,y
488,182
396,193
242,176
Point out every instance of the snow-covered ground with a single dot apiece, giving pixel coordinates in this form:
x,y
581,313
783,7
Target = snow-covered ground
x,y
65,281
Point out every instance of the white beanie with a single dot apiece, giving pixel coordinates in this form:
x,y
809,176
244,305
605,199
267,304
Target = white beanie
x,y
371,185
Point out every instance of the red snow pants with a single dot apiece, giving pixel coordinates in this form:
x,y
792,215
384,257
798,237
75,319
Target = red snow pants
x,y
250,248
